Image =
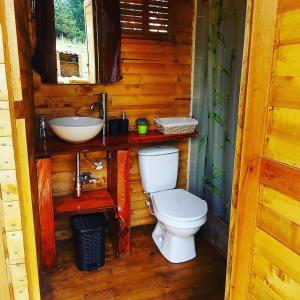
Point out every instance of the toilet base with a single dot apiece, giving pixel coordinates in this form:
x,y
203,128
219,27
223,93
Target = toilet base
x,y
176,245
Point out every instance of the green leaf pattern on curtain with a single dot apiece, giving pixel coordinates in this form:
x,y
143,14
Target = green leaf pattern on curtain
x,y
218,60
219,86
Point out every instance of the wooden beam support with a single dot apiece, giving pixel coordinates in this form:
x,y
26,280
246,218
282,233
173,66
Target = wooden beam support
x,y
123,201
48,247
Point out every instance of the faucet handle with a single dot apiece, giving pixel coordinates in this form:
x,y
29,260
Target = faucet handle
x,y
87,177
93,105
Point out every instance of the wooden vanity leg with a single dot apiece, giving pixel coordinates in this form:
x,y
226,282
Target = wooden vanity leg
x,y
123,198
48,247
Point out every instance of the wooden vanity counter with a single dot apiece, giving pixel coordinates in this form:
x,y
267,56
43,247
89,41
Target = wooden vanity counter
x,y
54,146
115,200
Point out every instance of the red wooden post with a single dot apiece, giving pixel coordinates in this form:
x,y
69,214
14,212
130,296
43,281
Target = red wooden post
x,y
123,201
48,247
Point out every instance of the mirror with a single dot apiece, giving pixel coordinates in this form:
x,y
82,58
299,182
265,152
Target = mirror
x,y
77,41
74,32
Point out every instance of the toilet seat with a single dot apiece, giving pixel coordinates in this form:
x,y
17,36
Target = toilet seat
x,y
178,207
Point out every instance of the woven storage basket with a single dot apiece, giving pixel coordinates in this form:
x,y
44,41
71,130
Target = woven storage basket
x,y
175,125
89,235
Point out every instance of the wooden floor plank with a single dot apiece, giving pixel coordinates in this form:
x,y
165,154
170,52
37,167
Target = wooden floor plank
x,y
145,274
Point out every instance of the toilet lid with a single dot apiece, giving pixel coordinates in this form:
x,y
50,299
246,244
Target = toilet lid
x,y
179,204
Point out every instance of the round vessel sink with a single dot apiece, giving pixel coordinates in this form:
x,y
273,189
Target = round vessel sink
x,y
76,129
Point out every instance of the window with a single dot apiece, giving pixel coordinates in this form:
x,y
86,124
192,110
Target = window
x,y
68,65
73,27
145,18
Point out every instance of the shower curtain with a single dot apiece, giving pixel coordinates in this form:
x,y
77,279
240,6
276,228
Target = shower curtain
x,y
217,69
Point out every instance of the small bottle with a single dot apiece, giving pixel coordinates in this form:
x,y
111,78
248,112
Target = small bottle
x,y
42,128
114,127
124,124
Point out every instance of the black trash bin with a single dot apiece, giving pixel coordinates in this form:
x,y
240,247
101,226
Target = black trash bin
x,y
89,235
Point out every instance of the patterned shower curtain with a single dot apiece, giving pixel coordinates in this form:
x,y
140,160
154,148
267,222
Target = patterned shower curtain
x,y
218,57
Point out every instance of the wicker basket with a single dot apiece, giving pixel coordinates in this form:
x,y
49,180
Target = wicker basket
x,y
175,125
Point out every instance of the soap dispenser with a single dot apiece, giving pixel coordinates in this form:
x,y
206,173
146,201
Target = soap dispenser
x,y
124,124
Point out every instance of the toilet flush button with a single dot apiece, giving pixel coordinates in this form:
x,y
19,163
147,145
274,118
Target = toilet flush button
x,y
160,239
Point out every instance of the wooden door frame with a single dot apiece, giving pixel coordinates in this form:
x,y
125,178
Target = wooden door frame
x,y
21,157
260,32
5,289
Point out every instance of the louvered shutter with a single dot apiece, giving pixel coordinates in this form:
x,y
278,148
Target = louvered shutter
x,y
145,18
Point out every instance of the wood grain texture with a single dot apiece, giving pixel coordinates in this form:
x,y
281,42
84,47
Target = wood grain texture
x,y
27,210
24,90
275,247
123,201
287,61
289,25
286,232
286,92
7,177
246,187
283,136
53,146
157,80
116,205
281,177
145,274
288,5
16,181
48,246
277,267
98,200
5,286
280,203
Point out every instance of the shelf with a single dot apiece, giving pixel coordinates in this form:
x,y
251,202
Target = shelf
x,y
90,201
156,136
53,146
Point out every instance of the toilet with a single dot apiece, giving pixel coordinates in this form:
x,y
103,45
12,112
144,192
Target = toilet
x,y
179,213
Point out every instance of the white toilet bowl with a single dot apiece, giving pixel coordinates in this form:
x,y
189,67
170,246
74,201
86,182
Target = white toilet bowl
x,y
180,214
177,224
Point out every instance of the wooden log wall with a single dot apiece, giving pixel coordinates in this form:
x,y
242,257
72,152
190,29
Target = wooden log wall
x,y
18,259
157,81
6,290
265,227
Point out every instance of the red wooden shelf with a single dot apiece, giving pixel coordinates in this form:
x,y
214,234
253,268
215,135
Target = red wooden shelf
x,y
54,146
90,201
156,136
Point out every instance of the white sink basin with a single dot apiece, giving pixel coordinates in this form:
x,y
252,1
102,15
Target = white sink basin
x,y
76,129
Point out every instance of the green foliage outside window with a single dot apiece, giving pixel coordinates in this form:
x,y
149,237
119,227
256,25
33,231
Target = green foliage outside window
x,y
69,19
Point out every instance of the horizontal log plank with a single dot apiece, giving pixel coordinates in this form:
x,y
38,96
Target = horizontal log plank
x,y
280,177
287,5
289,27
285,92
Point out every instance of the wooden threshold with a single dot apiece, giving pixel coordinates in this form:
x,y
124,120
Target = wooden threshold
x,y
90,201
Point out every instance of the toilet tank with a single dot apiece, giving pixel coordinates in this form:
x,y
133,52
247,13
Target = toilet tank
x,y
158,168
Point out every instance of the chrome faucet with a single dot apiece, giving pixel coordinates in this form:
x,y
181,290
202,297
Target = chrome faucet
x,y
102,107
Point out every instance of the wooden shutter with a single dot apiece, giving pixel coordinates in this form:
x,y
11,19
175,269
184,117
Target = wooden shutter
x,y
158,19
145,18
